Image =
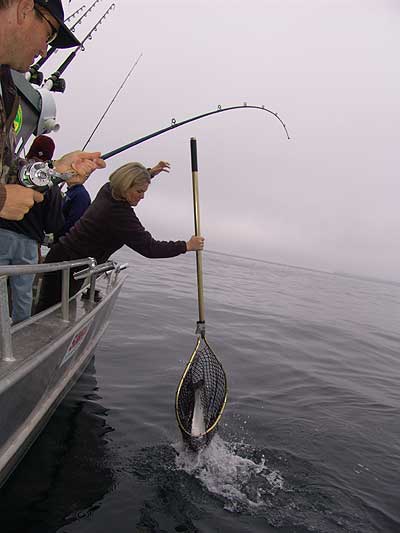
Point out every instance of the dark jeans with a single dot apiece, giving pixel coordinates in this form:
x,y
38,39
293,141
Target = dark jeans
x,y
50,291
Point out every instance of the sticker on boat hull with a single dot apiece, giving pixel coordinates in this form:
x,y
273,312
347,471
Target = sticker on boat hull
x,y
75,344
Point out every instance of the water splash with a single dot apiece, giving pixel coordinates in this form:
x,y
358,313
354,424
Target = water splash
x,y
244,485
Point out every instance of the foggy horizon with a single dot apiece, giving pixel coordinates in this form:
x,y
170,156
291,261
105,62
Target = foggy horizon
x,y
327,198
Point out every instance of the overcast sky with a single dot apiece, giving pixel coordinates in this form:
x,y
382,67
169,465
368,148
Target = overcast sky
x,y
328,198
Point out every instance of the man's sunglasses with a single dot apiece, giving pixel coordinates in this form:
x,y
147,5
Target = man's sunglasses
x,y
54,31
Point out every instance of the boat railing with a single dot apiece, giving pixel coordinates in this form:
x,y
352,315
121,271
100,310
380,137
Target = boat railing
x,y
92,271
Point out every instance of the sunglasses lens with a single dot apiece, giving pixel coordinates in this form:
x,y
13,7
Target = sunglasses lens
x,y
54,30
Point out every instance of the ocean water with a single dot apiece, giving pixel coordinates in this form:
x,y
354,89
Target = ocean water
x,y
309,440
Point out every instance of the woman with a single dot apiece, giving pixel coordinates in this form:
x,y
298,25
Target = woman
x,y
108,224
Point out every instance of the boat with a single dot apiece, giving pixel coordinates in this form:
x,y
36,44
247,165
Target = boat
x,y
42,357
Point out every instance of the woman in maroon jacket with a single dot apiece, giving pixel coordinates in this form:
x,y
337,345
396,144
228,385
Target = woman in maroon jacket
x,y
107,225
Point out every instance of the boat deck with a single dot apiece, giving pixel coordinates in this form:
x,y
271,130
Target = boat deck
x,y
39,332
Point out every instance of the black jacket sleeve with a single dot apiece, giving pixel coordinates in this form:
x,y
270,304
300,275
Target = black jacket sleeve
x,y
136,237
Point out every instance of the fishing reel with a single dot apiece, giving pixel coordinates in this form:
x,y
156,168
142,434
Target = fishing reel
x,y
55,83
41,176
34,75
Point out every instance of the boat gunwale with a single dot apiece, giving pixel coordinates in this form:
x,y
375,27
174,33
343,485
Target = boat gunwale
x,y
19,369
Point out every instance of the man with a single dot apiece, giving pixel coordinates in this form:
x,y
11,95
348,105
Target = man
x,y
20,241
26,28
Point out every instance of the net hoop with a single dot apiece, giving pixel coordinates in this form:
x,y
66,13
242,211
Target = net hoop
x,y
188,365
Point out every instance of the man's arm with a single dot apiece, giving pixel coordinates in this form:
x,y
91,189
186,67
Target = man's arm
x,y
16,200
3,195
82,164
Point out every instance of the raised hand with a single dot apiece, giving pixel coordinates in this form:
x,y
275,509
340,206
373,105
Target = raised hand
x,y
162,166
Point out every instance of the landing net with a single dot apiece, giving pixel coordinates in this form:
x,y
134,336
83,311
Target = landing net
x,y
201,395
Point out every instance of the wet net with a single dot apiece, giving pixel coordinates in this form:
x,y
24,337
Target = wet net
x,y
200,396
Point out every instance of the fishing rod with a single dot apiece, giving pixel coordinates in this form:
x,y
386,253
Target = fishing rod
x,y
55,82
175,124
33,75
73,15
85,14
112,101
41,175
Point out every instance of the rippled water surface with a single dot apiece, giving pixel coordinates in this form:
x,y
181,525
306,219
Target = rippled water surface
x,y
309,440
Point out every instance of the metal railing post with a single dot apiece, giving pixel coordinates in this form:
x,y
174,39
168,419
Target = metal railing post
x,y
92,287
65,294
6,351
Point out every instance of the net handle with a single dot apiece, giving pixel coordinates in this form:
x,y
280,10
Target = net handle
x,y
196,209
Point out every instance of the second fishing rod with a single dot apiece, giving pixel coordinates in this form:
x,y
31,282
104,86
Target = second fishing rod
x,y
34,75
55,82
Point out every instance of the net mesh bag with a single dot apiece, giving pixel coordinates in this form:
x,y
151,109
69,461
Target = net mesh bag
x,y
201,395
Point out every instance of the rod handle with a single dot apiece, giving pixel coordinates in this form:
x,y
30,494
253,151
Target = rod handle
x,y
193,153
196,208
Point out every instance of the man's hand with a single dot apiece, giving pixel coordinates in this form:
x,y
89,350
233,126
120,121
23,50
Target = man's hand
x,y
82,164
19,200
162,166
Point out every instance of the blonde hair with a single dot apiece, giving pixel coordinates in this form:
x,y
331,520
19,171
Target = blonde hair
x,y
127,176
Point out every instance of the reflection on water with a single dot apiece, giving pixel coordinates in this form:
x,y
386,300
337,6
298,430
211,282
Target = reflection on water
x,y
67,472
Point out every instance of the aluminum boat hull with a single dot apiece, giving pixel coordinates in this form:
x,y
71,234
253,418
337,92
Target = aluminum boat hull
x,y
50,355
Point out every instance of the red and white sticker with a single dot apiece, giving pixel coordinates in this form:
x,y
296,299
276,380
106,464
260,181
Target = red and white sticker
x,y
76,342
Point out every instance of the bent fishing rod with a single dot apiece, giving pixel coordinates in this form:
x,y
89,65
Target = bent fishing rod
x,y
33,75
39,175
55,82
175,125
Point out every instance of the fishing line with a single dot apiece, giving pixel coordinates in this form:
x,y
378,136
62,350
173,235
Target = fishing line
x,y
113,100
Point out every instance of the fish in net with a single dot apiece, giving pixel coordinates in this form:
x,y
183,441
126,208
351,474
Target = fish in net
x,y
200,396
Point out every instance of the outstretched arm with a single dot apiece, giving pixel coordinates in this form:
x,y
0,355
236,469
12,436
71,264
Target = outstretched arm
x,y
82,164
162,166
